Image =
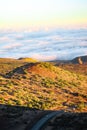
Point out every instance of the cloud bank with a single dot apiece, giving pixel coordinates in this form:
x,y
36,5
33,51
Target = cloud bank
x,y
56,44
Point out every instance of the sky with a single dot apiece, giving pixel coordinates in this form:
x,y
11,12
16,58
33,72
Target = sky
x,y
43,13
43,29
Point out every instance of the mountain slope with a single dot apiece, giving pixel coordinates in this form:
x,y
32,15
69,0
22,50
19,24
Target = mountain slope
x,y
44,86
80,60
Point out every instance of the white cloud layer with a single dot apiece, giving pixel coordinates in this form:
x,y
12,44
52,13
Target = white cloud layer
x,y
43,45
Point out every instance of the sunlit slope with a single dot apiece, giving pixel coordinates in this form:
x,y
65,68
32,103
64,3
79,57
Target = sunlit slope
x,y
8,64
44,86
28,59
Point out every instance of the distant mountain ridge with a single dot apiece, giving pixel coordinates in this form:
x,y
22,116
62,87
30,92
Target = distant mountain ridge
x,y
76,60
80,60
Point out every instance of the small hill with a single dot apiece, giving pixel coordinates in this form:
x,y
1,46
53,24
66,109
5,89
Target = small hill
x,y
27,59
44,86
8,64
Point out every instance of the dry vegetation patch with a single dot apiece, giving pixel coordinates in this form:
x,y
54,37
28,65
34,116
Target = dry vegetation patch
x,y
44,86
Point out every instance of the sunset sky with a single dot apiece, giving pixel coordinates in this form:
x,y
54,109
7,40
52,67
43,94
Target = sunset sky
x,y
43,29
43,13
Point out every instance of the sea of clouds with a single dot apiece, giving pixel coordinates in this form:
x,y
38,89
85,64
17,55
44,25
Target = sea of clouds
x,y
58,44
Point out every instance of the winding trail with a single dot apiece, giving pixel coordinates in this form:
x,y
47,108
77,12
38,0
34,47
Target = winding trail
x,y
41,122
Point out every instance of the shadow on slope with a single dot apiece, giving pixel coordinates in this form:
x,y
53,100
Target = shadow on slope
x,y
16,117
20,118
